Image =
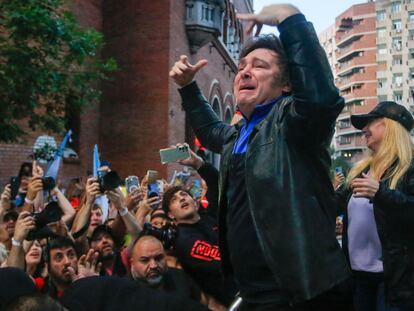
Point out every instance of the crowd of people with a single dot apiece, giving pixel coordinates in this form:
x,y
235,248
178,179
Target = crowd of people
x,y
166,242
259,234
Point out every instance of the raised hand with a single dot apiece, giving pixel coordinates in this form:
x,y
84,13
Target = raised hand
x,y
25,223
193,161
5,198
35,185
183,72
37,170
92,190
271,15
87,266
134,198
339,179
116,198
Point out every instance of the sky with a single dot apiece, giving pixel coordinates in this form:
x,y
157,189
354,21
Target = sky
x,y
321,13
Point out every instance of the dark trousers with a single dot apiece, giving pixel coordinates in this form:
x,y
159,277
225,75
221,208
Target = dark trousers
x,y
337,299
369,293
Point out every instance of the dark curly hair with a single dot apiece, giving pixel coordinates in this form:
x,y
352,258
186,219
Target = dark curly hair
x,y
168,195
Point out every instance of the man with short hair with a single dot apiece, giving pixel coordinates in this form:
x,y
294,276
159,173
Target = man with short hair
x,y
64,267
149,266
277,208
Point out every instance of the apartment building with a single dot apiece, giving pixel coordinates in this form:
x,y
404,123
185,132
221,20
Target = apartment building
x,y
356,66
395,51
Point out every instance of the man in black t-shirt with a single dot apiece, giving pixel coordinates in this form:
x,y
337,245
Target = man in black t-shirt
x,y
196,246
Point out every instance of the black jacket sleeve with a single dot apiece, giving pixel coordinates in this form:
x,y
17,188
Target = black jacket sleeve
x,y
212,132
316,102
211,176
401,198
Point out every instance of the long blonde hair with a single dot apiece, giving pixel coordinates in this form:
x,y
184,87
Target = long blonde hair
x,y
396,147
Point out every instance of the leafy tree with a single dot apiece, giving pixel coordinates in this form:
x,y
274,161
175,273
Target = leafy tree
x,y
49,65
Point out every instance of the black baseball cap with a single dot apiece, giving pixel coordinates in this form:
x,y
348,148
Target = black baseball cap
x,y
388,109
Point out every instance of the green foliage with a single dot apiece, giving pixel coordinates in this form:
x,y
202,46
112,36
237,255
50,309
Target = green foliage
x,y
48,65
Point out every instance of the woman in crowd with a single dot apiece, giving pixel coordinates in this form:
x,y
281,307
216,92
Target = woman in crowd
x,y
33,258
378,204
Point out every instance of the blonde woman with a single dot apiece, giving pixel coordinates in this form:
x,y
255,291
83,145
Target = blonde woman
x,y
379,212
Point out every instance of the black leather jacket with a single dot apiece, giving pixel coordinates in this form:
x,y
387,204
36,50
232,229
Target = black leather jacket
x,y
290,194
394,216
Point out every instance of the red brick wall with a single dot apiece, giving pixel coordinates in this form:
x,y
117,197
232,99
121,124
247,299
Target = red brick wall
x,y
140,111
134,111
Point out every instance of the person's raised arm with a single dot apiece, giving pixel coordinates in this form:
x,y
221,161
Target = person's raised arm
x,y
37,171
272,15
84,214
35,186
64,204
25,223
5,201
183,72
118,200
204,121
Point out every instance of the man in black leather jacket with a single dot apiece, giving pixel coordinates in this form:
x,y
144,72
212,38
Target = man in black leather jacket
x,y
276,209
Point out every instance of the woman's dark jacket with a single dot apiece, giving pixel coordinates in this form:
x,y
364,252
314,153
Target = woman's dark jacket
x,y
394,216
290,194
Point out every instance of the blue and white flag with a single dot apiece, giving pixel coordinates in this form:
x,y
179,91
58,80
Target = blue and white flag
x,y
101,200
53,166
96,161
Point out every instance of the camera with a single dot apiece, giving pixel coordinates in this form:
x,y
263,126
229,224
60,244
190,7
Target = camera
x,y
48,183
108,180
166,234
51,213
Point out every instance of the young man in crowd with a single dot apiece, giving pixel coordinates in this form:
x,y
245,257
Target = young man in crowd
x,y
196,246
277,215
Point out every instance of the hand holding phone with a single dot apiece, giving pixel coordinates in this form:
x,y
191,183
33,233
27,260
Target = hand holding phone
x,y
174,154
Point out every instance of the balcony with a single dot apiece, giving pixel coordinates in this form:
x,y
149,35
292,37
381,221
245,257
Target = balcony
x,y
410,44
360,93
355,32
410,62
346,131
382,23
346,82
382,57
410,25
356,141
203,22
397,86
345,67
384,90
382,40
410,6
344,115
396,32
355,47
396,68
382,74
396,15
